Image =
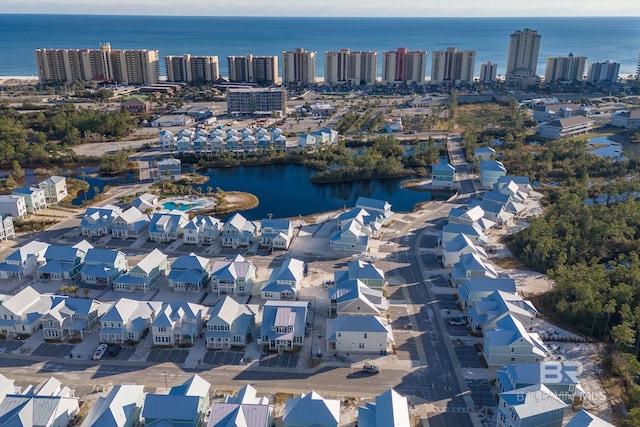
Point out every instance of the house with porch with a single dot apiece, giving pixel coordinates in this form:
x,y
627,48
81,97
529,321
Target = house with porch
x,y
233,276
471,266
24,261
276,233
458,246
127,320
359,334
55,189
102,266
130,224
532,406
202,230
71,318
489,310
185,405
380,208
495,212
509,342
63,262
7,230
283,324
472,290
353,236
388,409
354,298
97,221
189,273
178,323
21,314
230,323
13,205
167,227
443,175
285,282
144,275
34,198
311,410
238,232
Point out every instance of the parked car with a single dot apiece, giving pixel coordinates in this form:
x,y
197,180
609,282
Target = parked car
x,y
114,349
97,355
370,369
458,321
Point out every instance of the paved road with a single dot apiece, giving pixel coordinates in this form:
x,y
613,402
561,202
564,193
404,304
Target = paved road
x,y
458,160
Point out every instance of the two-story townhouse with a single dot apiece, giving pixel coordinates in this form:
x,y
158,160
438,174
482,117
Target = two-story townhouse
x,y
238,232
55,189
276,233
71,318
167,227
202,230
189,273
127,320
143,275
364,271
531,406
102,266
167,140
7,230
185,405
509,342
233,276
97,221
380,207
353,236
24,261
178,323
230,323
34,198
285,282
354,298
13,205
358,334
62,262
21,314
130,224
283,324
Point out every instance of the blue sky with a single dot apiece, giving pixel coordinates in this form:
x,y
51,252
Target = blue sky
x,y
413,8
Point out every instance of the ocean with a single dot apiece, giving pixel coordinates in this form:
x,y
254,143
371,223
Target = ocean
x,y
598,38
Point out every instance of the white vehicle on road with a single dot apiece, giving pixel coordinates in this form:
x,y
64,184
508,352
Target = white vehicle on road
x,y
97,355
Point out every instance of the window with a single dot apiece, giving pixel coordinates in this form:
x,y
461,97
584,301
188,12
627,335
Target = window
x,y
513,359
365,335
361,345
237,338
162,329
513,349
339,334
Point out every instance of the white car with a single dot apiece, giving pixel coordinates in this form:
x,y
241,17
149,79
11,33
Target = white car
x,y
97,355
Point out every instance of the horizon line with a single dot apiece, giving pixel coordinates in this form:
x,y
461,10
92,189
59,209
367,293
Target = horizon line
x,y
320,17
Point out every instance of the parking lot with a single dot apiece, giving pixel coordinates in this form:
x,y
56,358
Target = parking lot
x,y
447,302
124,354
467,356
222,357
440,283
284,360
7,346
53,350
456,331
430,261
167,355
481,393
429,241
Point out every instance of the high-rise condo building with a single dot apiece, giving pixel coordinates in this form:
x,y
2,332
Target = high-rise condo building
x,y
351,68
522,58
404,67
565,68
452,66
638,69
488,72
188,69
299,66
253,69
603,72
104,64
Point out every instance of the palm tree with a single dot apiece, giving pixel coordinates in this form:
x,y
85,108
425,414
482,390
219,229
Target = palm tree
x,y
85,292
209,190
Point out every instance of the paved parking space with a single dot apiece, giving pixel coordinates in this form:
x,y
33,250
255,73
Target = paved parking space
x,y
53,350
124,354
456,331
467,356
481,392
222,357
440,283
7,346
429,241
284,360
430,261
406,347
167,355
447,302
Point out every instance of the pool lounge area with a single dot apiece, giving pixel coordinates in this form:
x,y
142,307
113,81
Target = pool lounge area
x,y
187,204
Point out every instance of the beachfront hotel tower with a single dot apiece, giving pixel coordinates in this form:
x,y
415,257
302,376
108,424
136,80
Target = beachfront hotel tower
x,y
522,58
488,72
452,66
401,66
262,70
568,68
603,72
189,69
350,68
299,66
97,65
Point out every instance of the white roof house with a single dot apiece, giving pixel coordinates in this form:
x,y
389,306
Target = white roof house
x,y
55,188
354,298
283,324
178,323
472,265
489,310
238,232
474,233
245,409
167,227
389,409
130,224
530,406
120,408
585,419
359,334
233,276
458,246
24,261
229,323
14,205
143,275
380,207
127,320
97,221
21,314
144,202
311,409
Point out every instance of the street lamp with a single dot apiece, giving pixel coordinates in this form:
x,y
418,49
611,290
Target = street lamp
x,y
165,379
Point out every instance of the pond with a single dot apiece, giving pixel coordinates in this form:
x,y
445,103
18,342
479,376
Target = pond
x,y
286,191
607,148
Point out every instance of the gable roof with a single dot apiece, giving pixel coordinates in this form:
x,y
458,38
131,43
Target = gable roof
x,y
530,401
149,262
22,253
117,408
310,409
585,419
389,410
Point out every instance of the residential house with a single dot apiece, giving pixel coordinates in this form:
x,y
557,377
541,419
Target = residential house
x,y
7,386
443,175
472,290
34,198
238,232
102,266
354,298
512,189
359,334
178,323
121,407
307,142
533,406
489,310
364,271
509,342
97,221
490,172
285,282
24,261
311,409
283,324
127,320
389,409
460,245
185,405
230,323
13,205
169,169
7,231
63,262
244,410
371,222
55,189
167,140
202,230
50,405
353,236
523,183
130,224
565,128
474,233
276,233
561,379
71,318
626,119
145,203
472,266
380,208
484,153
233,276
189,273
21,314
493,211
469,217
143,275
167,227
585,419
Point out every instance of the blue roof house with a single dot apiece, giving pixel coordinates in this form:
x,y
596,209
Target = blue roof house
x,y
102,266
185,405
490,172
189,273
532,406
120,408
285,282
98,221
62,262
283,324
233,277
443,175
143,275
167,227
